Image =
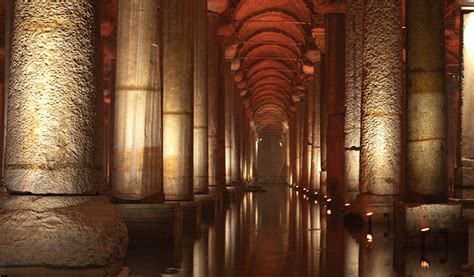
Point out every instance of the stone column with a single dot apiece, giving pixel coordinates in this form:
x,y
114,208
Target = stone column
x,y
137,153
309,133
354,21
305,142
235,140
323,126
335,66
298,136
213,94
221,143
201,178
178,60
293,149
53,148
380,159
228,93
316,152
426,110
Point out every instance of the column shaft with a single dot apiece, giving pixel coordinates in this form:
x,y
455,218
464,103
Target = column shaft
x,y
316,152
309,132
213,94
178,104
324,125
426,125
354,26
200,172
380,160
137,153
335,66
298,136
228,94
53,143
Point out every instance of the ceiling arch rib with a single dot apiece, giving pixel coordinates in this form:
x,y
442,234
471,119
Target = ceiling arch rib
x,y
273,48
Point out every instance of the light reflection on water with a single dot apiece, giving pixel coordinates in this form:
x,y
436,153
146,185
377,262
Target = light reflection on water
x,y
277,233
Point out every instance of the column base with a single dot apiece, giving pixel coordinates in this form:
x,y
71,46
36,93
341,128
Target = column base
x,y
381,206
191,216
208,205
152,223
447,226
61,236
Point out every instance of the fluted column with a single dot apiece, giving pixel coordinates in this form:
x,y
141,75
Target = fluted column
x,y
213,94
380,160
426,110
335,75
178,104
137,152
200,172
354,21
316,151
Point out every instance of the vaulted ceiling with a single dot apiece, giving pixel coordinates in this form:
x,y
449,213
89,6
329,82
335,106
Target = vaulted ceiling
x,y
275,55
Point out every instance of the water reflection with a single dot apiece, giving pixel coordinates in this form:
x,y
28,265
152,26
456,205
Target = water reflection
x,y
278,233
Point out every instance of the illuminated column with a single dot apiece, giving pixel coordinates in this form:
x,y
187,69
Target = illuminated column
x,y
323,126
137,154
221,128
335,69
53,155
201,178
228,92
298,136
380,160
309,132
466,148
235,140
178,60
293,149
426,110
354,21
316,152
213,94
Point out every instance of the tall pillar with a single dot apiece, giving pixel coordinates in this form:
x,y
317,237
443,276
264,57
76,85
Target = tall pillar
x,y
354,21
298,136
426,139
228,93
235,140
323,126
382,94
224,66
178,104
309,133
200,172
53,155
137,153
304,141
335,75
316,152
213,94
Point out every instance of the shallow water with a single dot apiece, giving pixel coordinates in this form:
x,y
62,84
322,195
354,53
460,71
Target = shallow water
x,y
278,233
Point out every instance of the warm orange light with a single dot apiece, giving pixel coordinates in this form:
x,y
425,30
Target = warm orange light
x,y
425,229
329,200
370,238
315,202
325,196
347,204
328,212
424,264
369,214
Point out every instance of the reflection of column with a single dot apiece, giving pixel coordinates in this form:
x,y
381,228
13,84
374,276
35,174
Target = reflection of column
x,y
53,148
213,93
335,65
381,98
201,253
137,153
354,20
200,172
316,152
178,60
426,145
